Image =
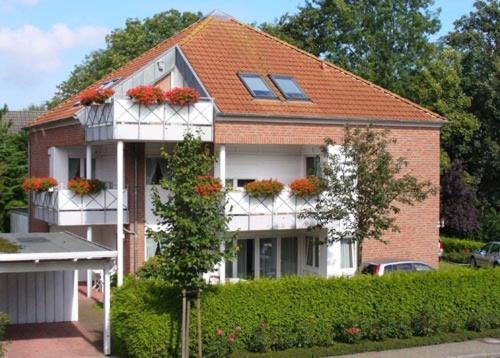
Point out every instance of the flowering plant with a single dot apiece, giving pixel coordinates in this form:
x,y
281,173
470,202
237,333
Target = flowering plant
x,y
95,95
225,342
39,184
306,186
348,333
209,186
82,186
182,96
265,187
146,95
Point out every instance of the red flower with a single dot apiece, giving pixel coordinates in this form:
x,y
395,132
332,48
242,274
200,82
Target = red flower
x,y
95,95
182,96
83,186
39,183
353,330
231,338
209,186
146,95
306,186
265,187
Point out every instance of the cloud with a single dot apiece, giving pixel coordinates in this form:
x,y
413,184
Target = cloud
x,y
29,52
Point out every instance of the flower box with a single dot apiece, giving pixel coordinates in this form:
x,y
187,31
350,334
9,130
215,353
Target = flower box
x,y
263,188
209,186
309,186
182,96
146,95
39,184
95,96
82,186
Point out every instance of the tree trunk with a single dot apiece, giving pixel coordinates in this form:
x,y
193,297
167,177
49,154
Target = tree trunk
x,y
198,314
359,258
183,326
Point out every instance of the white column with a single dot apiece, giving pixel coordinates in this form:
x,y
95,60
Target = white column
x,y
119,211
222,172
74,302
107,306
88,171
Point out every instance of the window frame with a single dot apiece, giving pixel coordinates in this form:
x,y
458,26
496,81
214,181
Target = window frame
x,y
275,77
242,75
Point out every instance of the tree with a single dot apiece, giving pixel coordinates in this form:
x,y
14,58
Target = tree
x,y
458,202
122,45
364,188
476,38
193,218
13,169
386,42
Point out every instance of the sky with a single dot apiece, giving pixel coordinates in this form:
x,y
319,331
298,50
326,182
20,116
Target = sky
x,y
42,40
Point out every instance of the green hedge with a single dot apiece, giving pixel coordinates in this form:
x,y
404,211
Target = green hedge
x,y
4,321
291,312
459,250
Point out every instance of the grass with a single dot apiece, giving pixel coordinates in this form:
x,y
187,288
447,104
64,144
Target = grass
x,y
7,247
371,346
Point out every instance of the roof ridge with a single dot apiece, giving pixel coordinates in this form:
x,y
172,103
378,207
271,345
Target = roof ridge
x,y
340,69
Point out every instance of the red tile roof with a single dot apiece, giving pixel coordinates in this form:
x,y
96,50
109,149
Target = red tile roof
x,y
218,48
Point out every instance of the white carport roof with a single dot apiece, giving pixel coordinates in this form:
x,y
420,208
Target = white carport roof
x,y
62,251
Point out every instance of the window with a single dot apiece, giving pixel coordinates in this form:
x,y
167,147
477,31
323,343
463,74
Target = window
x,y
267,257
245,264
289,87
312,251
74,168
313,166
256,85
346,254
109,84
407,267
288,256
495,249
422,267
156,169
242,182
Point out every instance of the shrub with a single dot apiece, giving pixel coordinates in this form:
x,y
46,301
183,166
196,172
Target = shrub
x,y
460,245
39,184
263,188
146,95
182,96
82,186
4,321
456,257
308,311
306,186
95,95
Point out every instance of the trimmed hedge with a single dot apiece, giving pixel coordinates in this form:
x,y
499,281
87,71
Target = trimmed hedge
x,y
4,322
459,250
265,315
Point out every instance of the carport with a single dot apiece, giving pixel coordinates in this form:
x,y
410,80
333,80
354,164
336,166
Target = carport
x,y
39,277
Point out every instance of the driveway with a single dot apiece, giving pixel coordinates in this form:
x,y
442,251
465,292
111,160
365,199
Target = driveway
x,y
482,348
65,340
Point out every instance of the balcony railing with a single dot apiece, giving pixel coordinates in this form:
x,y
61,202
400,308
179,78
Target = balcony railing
x,y
123,119
278,213
65,208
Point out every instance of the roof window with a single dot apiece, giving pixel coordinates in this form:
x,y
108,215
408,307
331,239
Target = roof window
x,y
256,85
289,87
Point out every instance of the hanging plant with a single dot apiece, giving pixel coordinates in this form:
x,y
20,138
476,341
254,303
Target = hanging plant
x,y
39,184
309,186
82,186
95,96
265,187
146,95
208,186
182,96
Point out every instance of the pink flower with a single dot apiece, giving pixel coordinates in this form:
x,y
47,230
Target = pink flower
x,y
219,332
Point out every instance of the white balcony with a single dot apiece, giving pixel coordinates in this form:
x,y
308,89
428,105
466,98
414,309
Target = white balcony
x,y
279,213
123,119
65,208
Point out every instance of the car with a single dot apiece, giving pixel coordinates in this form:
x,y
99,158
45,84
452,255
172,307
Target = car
x,y
487,256
380,268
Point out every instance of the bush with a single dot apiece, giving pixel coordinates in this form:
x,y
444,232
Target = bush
x,y
4,321
307,311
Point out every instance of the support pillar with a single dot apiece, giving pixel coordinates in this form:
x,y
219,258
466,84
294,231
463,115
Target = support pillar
x,y
88,175
222,172
107,306
119,211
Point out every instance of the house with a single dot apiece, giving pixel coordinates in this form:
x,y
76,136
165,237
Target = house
x,y
266,108
19,119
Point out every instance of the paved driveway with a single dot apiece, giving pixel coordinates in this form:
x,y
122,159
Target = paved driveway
x,y
61,340
482,348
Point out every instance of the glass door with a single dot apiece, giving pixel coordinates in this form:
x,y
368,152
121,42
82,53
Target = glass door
x,y
245,263
268,256
289,252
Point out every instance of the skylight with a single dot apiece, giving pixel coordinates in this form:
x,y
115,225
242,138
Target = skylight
x,y
256,85
289,87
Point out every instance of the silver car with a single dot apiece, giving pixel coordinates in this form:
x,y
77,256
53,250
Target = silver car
x,y
487,256
379,268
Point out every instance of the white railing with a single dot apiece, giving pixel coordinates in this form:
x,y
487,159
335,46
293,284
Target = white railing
x,y
65,208
124,119
278,213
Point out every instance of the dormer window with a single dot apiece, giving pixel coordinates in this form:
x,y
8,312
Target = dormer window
x,y
256,85
289,87
109,84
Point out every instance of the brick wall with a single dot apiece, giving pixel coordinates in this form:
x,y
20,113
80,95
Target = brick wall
x,y
419,234
39,143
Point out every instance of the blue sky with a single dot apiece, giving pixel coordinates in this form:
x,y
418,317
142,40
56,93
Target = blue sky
x,y
42,40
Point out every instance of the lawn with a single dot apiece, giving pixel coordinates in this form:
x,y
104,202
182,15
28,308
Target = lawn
x,y
450,266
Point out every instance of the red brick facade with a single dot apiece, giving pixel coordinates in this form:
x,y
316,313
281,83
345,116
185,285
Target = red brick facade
x,y
419,234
